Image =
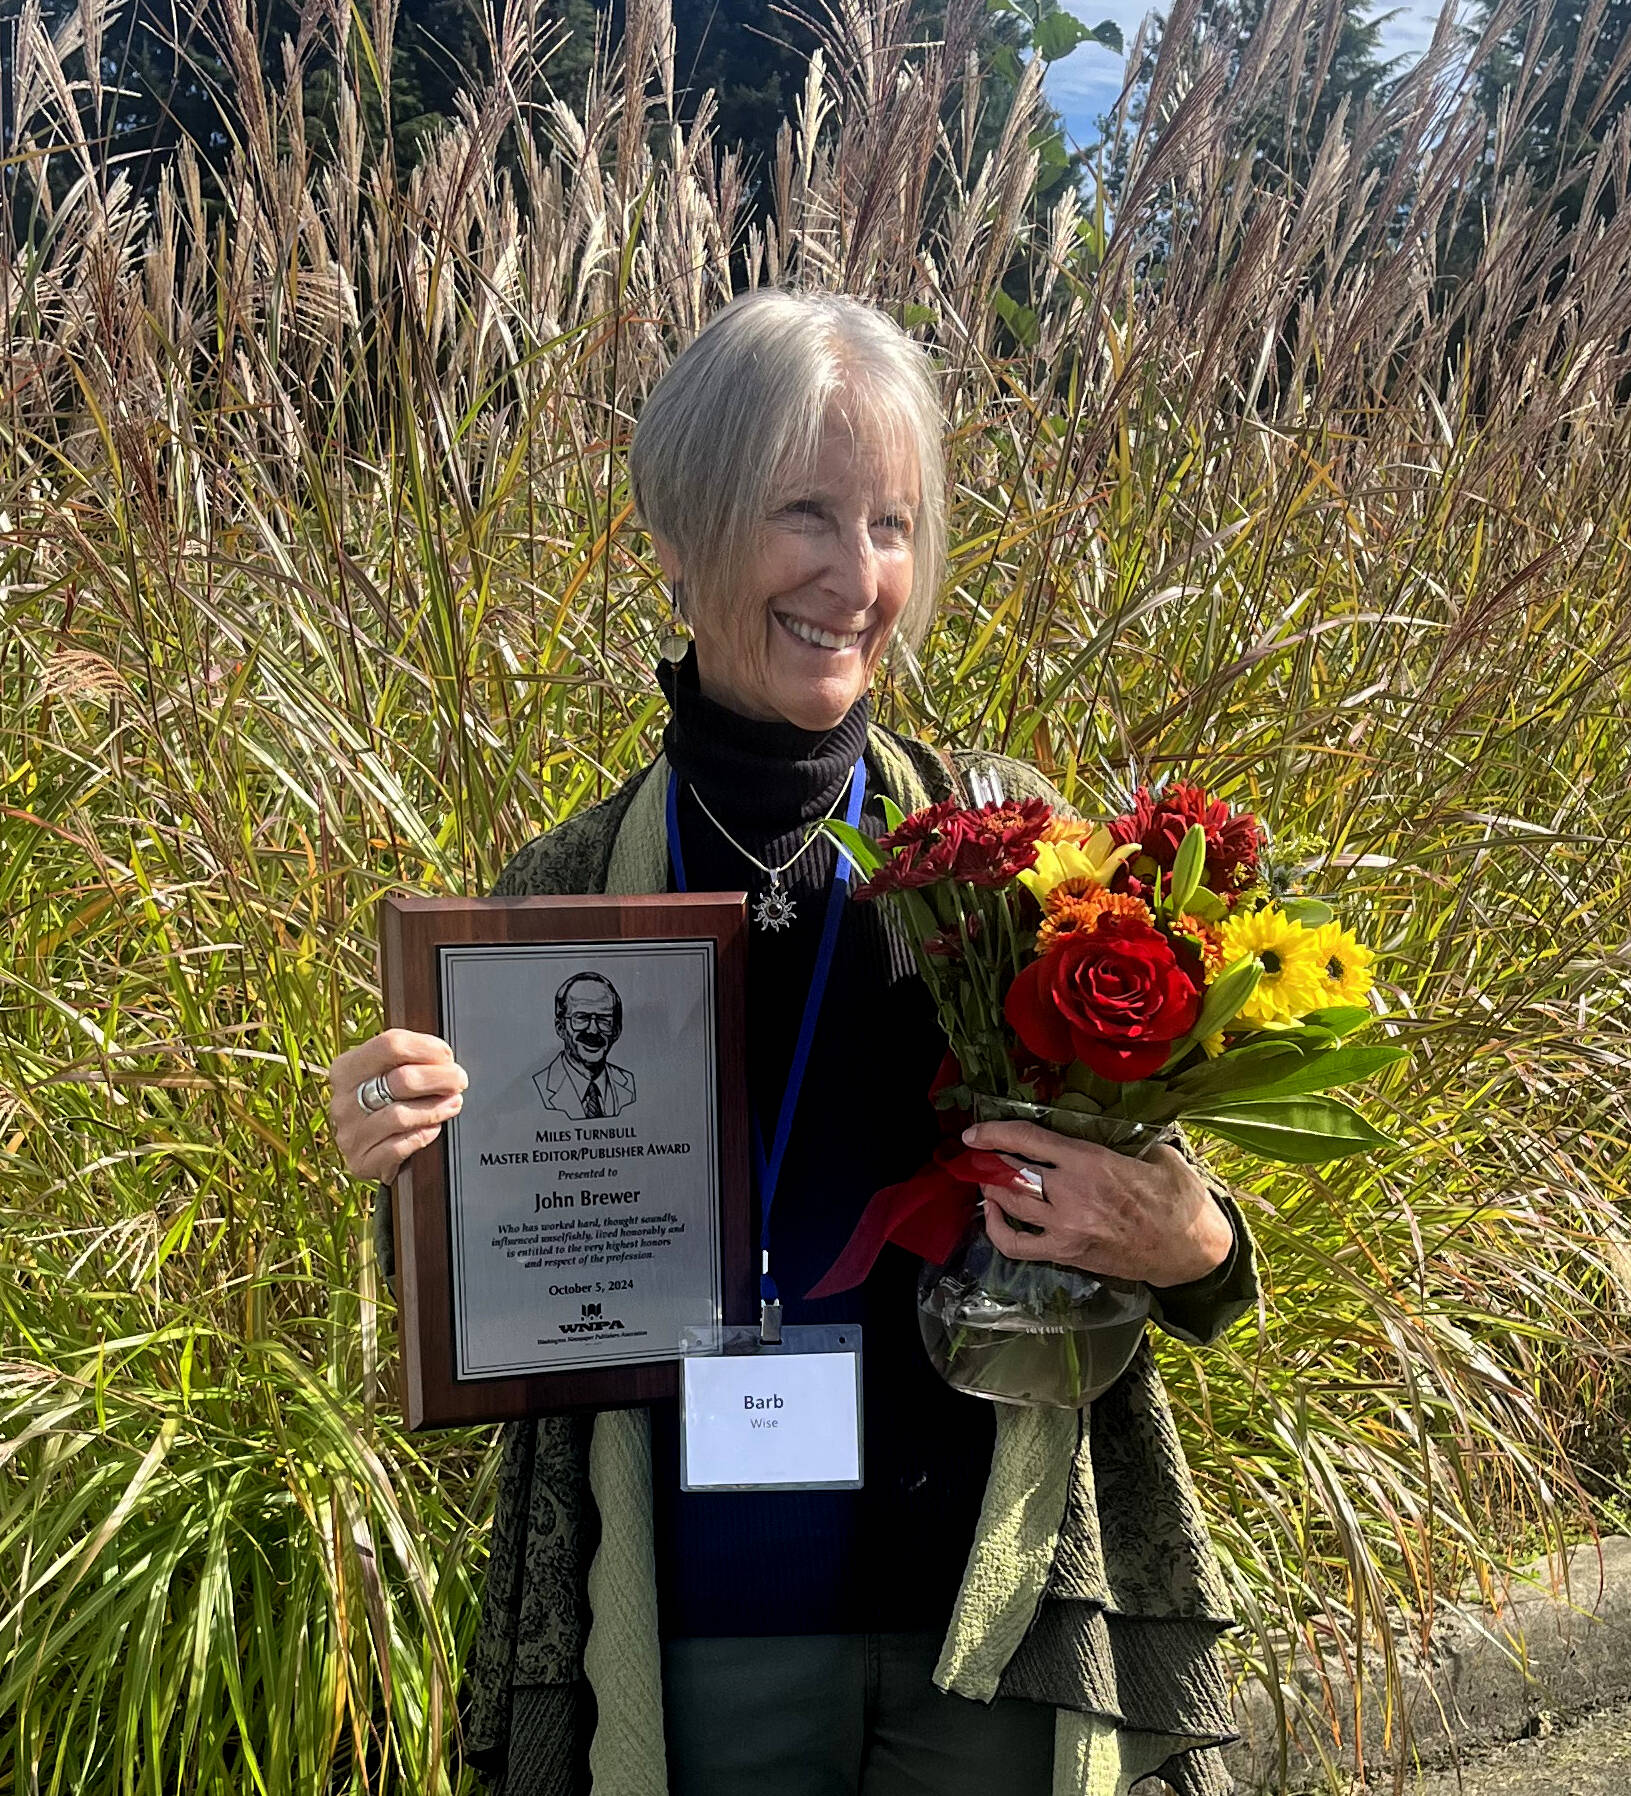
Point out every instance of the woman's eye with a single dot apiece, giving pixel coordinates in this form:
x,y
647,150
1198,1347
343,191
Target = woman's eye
x,y
806,508
897,520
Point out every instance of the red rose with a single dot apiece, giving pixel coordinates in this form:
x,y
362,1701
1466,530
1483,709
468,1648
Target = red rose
x,y
1113,997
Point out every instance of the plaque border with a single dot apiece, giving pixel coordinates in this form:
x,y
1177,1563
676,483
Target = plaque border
x,y
411,931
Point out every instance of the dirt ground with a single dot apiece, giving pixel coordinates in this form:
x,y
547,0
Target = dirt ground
x,y
1589,1757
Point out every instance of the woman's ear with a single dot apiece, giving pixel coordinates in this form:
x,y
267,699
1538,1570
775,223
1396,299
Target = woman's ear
x,y
668,559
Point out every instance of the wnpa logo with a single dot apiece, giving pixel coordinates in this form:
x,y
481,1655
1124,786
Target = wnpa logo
x,y
590,1322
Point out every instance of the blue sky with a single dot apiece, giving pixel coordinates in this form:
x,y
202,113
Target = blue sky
x,y
1085,83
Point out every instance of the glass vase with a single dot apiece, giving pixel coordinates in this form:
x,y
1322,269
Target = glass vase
x,y
1028,1331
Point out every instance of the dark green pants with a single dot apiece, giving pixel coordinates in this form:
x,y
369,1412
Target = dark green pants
x,y
840,1715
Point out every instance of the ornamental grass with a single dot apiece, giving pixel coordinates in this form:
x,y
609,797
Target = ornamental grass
x,y
318,577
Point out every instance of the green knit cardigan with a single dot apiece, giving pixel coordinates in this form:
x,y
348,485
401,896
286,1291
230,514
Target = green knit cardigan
x,y
1091,1583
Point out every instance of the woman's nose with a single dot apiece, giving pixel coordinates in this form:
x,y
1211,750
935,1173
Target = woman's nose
x,y
853,571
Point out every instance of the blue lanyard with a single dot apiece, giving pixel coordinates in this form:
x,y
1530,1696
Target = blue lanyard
x,y
767,1167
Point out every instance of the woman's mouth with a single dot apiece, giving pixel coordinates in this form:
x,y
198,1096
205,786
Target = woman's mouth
x,y
815,636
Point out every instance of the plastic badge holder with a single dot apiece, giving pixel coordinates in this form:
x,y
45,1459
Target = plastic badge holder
x,y
757,1415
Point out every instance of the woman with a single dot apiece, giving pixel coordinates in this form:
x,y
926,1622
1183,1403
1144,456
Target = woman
x,y
1020,1601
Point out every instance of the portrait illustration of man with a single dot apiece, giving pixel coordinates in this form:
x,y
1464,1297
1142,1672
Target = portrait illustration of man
x,y
581,1081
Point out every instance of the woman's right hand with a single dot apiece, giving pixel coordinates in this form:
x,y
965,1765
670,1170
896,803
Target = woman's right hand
x,y
426,1082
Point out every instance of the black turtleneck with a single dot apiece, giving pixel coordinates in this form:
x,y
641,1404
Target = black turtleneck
x,y
889,1556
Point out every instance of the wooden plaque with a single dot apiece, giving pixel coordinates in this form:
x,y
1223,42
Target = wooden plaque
x,y
591,1200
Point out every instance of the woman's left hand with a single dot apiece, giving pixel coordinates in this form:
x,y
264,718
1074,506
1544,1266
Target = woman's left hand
x,y
1100,1211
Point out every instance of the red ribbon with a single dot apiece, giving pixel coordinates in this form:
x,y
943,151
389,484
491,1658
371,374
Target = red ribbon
x,y
926,1214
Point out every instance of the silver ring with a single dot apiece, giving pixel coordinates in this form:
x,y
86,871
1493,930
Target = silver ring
x,y
1029,1176
374,1094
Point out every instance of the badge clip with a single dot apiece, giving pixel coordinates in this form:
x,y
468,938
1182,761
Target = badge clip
x,y
770,1323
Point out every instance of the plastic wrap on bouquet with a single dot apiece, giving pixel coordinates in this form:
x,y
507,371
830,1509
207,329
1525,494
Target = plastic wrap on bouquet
x,y
1028,1331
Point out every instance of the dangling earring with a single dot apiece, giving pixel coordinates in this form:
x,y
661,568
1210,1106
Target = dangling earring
x,y
676,639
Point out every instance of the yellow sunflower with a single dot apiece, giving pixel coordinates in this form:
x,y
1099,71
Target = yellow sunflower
x,y
1344,965
1293,982
1092,859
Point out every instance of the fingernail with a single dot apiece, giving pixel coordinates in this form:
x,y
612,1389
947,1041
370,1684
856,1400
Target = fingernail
x,y
455,1103
971,1134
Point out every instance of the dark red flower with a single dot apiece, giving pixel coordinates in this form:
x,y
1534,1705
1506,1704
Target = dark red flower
x,y
951,943
987,847
922,826
998,842
1114,998
1160,825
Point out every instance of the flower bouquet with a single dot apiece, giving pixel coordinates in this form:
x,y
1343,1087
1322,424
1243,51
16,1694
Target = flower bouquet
x,y
1104,981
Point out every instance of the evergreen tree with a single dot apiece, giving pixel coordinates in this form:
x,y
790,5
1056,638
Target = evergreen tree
x,y
166,78
1288,123
1584,85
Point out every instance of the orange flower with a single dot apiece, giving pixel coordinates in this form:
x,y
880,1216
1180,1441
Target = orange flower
x,y
1207,937
1067,912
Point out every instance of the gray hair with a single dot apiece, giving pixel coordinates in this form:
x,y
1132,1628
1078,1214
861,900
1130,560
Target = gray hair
x,y
741,410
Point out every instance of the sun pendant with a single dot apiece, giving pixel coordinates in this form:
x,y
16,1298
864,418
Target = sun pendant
x,y
774,910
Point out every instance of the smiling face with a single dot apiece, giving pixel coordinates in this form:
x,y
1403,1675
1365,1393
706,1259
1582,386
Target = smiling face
x,y
819,596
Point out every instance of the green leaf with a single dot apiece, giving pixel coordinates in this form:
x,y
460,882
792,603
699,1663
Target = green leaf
x,y
1051,153
1311,1037
1310,912
912,317
893,815
1187,869
860,848
1258,1065
1021,320
1145,1101
1207,905
1108,33
1337,1066
1296,1131
1226,994
1057,34
1223,1000
1341,1019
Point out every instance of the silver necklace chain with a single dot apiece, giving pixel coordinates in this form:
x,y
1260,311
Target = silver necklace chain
x,y
775,910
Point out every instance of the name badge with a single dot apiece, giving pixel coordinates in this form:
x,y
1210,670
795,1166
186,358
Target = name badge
x,y
761,1416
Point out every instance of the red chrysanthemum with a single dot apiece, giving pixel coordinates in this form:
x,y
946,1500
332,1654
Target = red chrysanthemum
x,y
985,847
998,842
1160,825
923,826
